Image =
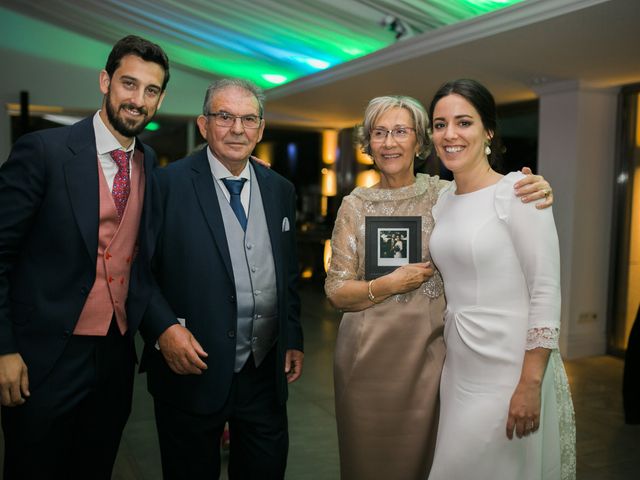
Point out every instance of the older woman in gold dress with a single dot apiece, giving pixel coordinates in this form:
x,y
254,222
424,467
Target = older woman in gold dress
x,y
389,351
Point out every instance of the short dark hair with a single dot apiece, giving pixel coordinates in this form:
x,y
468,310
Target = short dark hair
x,y
146,50
480,97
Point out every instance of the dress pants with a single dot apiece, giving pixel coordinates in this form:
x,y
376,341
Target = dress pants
x,y
190,443
70,427
631,381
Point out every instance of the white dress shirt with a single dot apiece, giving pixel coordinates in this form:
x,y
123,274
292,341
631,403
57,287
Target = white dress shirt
x,y
219,171
105,143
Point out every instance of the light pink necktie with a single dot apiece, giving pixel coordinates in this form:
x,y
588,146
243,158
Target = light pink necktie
x,y
121,183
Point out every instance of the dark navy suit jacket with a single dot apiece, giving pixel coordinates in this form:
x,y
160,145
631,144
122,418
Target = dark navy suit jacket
x,y
49,219
195,278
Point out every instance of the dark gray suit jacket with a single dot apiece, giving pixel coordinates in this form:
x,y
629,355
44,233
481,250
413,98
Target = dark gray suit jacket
x,y
193,270
49,219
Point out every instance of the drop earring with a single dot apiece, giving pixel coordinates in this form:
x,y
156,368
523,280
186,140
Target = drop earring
x,y
487,150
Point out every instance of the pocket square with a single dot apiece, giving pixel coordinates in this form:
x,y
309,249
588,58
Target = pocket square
x,y
285,224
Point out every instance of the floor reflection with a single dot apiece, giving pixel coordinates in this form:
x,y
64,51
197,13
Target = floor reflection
x,y
607,449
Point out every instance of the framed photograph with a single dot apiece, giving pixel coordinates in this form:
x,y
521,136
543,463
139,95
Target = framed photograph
x,y
391,242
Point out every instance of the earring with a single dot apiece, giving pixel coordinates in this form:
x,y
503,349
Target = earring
x,y
487,150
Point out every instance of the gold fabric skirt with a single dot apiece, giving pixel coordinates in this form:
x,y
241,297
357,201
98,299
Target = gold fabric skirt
x,y
388,360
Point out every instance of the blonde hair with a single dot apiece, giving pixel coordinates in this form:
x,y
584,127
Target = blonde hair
x,y
379,106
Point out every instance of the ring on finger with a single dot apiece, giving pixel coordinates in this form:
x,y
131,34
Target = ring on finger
x,y
546,192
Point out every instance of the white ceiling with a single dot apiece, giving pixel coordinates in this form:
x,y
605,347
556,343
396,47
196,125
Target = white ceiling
x,y
513,51
271,42
595,42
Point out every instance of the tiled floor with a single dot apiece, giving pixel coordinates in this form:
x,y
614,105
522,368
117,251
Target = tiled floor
x,y
313,451
607,449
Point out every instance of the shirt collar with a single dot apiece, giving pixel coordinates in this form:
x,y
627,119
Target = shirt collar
x,y
105,141
220,171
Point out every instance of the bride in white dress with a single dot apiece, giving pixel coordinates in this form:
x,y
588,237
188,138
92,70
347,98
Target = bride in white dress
x,y
506,410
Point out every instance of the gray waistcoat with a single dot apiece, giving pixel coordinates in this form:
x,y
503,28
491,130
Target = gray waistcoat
x,y
254,275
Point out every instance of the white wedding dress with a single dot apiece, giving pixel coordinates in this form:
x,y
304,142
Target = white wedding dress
x,y
499,259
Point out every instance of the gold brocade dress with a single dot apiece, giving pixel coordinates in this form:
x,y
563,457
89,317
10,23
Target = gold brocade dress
x,y
388,357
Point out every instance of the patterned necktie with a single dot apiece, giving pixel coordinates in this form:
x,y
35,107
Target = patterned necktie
x,y
121,183
235,187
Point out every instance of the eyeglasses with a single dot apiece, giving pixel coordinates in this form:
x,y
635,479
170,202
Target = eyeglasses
x,y
400,134
224,119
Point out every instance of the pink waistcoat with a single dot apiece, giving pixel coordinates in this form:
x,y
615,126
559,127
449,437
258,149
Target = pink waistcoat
x,y
116,246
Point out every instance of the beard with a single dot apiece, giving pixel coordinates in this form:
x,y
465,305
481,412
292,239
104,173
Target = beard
x,y
124,126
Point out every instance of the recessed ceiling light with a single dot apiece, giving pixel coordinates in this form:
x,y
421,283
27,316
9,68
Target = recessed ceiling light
x,y
274,78
319,64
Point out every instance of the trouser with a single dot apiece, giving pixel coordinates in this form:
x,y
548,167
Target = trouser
x,y
70,427
190,443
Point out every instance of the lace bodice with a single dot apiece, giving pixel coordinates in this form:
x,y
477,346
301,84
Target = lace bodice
x,y
347,241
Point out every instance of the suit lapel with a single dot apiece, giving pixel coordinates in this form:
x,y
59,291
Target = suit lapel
x,y
206,193
81,175
274,215
145,220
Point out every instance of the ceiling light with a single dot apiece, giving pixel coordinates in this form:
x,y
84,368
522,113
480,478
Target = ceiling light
x,y
353,51
319,64
274,78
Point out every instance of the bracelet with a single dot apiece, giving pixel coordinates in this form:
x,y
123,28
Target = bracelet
x,y
371,296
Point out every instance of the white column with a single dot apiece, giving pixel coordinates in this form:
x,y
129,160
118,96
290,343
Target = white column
x,y
577,155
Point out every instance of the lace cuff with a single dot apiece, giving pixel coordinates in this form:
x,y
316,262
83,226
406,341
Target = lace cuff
x,y
543,337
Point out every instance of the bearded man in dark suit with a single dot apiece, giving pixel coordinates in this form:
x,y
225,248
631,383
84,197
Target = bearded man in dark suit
x,y
74,275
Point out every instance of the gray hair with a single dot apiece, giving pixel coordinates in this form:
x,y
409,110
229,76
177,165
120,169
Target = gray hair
x,y
380,105
224,83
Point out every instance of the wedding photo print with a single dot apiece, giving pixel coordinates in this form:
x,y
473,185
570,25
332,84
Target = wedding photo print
x,y
392,246
390,243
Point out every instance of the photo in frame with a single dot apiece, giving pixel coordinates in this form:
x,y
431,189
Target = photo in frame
x,y
391,242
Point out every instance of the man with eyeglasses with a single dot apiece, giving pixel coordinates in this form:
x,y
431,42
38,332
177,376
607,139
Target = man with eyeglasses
x,y
222,332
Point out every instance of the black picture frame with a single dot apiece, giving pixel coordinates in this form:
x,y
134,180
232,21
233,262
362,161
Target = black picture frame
x,y
391,242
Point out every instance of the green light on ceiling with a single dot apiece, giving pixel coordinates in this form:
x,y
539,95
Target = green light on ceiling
x,y
354,52
50,42
228,64
284,50
479,7
152,126
319,64
274,78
